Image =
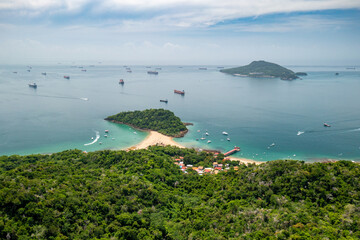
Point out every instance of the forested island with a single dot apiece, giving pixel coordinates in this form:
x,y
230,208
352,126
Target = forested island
x,y
160,120
263,69
143,195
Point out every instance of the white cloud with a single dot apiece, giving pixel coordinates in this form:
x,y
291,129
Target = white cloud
x,y
180,13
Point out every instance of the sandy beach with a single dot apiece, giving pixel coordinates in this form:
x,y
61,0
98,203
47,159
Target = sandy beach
x,y
245,160
156,138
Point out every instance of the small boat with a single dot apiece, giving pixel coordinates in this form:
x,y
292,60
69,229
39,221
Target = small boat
x,y
202,138
100,143
327,125
273,144
121,81
92,138
224,133
83,70
33,85
158,68
207,134
106,131
336,74
228,139
179,92
165,100
105,135
209,141
129,71
67,77
197,139
15,72
44,73
202,68
153,72
28,70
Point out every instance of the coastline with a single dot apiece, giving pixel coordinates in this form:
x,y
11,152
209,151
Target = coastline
x,y
156,138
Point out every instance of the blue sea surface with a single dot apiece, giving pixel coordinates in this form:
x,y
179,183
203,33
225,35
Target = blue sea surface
x,y
267,117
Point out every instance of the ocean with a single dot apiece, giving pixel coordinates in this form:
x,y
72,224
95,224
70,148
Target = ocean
x,y
267,118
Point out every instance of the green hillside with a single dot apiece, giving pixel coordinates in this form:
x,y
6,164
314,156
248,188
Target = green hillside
x,y
262,69
143,195
161,120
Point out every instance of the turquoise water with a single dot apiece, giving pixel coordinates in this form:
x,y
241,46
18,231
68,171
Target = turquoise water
x,y
262,116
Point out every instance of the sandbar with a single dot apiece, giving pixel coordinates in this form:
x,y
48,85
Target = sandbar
x,y
155,138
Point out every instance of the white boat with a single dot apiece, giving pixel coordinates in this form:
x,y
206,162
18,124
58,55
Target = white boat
x,y
228,139
208,141
105,135
207,134
224,133
106,131
33,85
202,138
273,144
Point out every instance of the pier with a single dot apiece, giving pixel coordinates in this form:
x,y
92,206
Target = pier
x,y
236,149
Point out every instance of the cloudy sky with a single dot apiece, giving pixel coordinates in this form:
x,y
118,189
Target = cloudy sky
x,y
290,32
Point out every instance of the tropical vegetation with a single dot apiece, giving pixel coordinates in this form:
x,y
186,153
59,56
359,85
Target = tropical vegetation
x,y
143,195
160,120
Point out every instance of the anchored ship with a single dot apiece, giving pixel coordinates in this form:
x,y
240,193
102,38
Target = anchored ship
x,y
179,92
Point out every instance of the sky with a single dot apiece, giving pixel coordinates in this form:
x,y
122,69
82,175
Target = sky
x,y
180,32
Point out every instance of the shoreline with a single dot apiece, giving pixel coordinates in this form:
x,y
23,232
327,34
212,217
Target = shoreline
x,y
158,139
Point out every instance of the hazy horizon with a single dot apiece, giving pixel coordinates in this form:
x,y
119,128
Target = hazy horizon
x,y
177,32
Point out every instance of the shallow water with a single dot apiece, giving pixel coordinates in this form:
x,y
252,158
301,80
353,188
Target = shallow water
x,y
65,114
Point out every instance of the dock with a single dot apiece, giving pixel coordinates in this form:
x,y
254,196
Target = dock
x,y
236,149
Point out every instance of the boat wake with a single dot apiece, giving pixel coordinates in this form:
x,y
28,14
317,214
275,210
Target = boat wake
x,y
95,140
299,133
84,98
354,130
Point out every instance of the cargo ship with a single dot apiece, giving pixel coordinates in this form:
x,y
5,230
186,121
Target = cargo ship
x,y
164,100
153,72
179,92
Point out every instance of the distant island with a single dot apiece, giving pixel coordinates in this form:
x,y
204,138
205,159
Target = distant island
x,y
263,69
160,120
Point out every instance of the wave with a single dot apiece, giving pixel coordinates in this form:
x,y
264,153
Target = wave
x,y
299,133
95,140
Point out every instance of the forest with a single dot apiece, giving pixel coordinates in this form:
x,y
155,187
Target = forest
x,y
160,120
142,194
